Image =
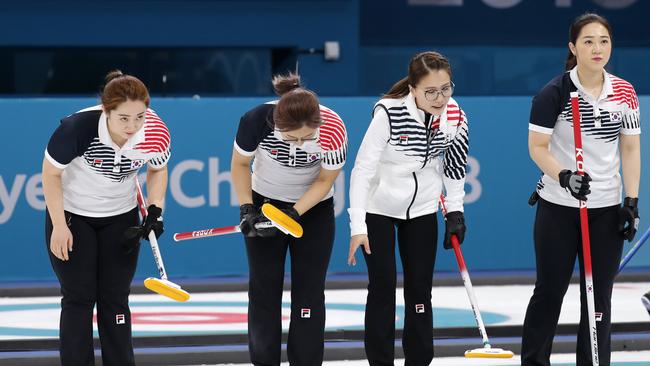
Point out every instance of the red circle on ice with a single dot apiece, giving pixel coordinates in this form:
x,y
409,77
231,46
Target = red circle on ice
x,y
188,318
180,318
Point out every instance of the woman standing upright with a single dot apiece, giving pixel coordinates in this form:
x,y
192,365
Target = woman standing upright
x,y
89,171
610,126
299,148
416,145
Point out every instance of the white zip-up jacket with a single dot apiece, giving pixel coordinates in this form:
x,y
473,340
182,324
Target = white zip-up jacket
x,y
404,162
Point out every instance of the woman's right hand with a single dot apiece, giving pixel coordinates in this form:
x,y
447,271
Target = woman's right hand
x,y
355,242
61,242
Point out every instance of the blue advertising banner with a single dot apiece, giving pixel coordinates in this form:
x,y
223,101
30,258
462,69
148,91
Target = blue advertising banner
x,y
501,176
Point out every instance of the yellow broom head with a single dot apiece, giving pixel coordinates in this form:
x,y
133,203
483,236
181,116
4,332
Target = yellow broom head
x,y
489,353
167,289
281,220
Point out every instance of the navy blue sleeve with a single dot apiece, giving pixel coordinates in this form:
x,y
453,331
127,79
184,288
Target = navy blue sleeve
x,y
253,127
72,138
547,106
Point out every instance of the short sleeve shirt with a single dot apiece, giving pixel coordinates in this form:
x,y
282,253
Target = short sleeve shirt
x,y
603,120
98,176
282,170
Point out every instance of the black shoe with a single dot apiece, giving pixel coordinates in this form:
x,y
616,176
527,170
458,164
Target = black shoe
x,y
645,299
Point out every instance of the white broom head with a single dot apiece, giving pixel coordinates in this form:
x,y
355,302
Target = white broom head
x,y
489,353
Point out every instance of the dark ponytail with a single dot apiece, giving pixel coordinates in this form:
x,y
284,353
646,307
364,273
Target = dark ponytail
x,y
120,87
574,33
570,62
282,84
114,74
399,90
297,106
419,67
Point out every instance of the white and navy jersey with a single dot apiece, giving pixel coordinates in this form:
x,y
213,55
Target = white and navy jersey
x,y
282,170
405,160
603,120
98,176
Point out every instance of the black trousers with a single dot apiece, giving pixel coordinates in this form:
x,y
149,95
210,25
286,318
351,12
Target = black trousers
x,y
558,241
98,272
310,257
417,240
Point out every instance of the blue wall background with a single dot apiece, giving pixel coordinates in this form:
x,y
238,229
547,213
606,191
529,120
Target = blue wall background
x,y
203,23
497,47
499,219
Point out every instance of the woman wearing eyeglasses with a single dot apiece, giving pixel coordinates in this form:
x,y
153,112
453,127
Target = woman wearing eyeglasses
x,y
299,148
415,146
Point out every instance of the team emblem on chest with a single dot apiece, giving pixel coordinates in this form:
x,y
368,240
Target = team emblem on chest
x,y
616,116
137,164
312,157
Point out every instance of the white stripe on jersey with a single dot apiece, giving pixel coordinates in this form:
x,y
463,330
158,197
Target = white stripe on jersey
x,y
100,182
402,164
285,171
602,122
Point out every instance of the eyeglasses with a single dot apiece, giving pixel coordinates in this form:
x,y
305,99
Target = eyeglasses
x,y
433,94
299,140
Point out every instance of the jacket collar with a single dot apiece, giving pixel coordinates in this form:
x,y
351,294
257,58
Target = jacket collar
x,y
418,114
608,90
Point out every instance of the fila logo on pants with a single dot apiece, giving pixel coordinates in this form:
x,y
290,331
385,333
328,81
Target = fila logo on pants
x,y
120,319
305,313
419,308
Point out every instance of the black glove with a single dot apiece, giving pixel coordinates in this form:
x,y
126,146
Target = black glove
x,y
265,228
454,225
153,221
248,215
291,212
576,184
628,218
253,223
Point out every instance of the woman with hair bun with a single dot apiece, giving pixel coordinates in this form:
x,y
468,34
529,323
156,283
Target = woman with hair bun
x,y
298,148
89,172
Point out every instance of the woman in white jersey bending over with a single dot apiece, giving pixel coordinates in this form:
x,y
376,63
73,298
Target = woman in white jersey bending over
x,y
299,148
415,146
89,174
610,130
